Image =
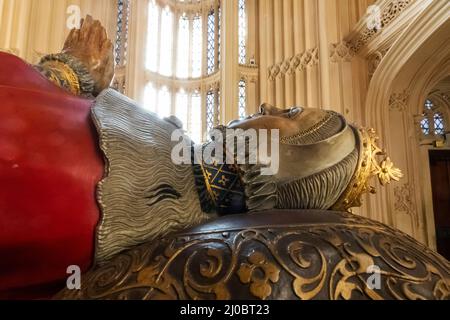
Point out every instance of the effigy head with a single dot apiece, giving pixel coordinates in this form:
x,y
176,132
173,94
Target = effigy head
x,y
324,163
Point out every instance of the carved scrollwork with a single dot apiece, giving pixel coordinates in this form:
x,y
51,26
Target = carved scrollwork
x,y
294,64
328,257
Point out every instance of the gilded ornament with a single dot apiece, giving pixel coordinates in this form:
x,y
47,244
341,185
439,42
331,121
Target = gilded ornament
x,y
369,166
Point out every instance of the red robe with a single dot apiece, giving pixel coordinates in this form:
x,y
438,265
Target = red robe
x,y
50,164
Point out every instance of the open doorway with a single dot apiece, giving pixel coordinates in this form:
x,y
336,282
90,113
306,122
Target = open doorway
x,y
440,181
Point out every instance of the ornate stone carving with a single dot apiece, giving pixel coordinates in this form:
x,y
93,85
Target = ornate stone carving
x,y
390,11
374,61
340,52
310,255
249,72
191,8
404,196
399,101
294,64
393,10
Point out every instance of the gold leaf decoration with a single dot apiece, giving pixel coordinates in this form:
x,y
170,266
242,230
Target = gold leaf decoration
x,y
259,287
327,257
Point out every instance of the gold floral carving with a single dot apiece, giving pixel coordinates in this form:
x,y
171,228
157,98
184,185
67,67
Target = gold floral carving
x,y
260,287
369,166
311,260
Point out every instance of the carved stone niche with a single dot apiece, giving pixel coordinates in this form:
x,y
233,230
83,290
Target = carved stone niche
x,y
274,255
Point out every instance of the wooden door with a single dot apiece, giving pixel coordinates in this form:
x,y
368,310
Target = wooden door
x,y
440,181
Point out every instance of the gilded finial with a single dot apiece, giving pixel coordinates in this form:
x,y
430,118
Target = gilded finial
x,y
373,161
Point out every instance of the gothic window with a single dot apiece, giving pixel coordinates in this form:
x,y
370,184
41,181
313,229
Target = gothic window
x,y
166,49
120,16
196,118
242,98
181,109
197,47
242,11
183,47
219,36
425,126
432,122
182,54
210,110
153,37
211,43
121,45
438,124
164,102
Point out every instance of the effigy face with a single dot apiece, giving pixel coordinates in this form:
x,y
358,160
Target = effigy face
x,y
289,121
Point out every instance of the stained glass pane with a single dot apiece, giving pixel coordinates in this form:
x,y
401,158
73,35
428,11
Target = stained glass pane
x,y
210,110
165,59
183,48
152,37
425,126
211,42
164,102
120,24
196,118
197,47
150,98
181,108
242,99
188,61
220,35
439,128
218,107
242,32
429,105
